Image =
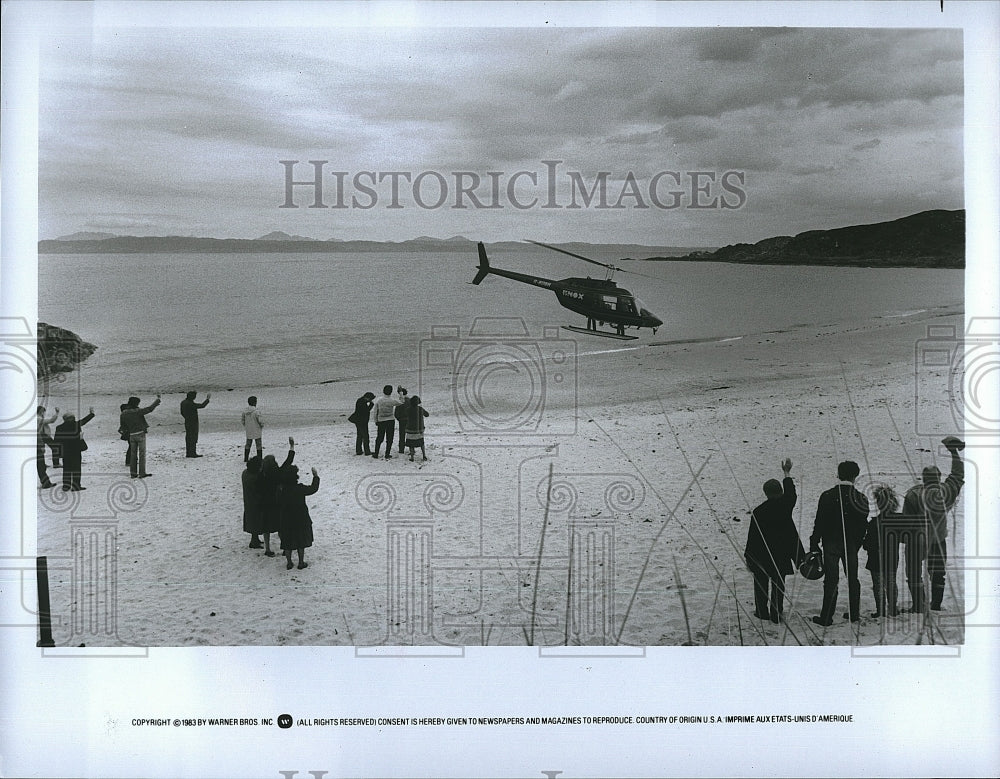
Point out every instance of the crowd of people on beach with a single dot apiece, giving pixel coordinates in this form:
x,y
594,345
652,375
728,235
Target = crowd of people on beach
x,y
402,409
274,501
842,528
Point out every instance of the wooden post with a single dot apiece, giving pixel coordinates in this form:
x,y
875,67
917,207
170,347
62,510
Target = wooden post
x,y
44,607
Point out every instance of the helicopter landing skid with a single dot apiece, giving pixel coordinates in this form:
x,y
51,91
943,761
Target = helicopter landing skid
x,y
602,333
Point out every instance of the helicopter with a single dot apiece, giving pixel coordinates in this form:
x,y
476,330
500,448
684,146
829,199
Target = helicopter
x,y
602,301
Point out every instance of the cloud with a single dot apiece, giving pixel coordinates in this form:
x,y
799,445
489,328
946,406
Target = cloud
x,y
873,143
177,121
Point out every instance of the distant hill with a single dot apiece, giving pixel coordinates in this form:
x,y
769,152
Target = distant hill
x,y
277,235
930,239
85,236
175,244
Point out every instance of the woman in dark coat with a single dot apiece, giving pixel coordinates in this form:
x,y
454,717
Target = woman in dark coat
x,y
252,522
415,414
268,484
360,417
69,438
296,524
774,549
883,563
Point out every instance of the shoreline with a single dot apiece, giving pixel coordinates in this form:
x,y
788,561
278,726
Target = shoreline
x,y
624,455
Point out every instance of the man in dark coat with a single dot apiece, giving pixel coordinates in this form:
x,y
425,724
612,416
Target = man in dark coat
x,y
360,419
72,446
773,546
930,502
841,522
189,410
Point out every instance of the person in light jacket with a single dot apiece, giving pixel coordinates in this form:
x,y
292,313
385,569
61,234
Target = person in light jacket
x,y
253,424
385,418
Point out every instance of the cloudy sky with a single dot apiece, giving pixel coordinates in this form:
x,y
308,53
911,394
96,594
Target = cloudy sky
x,y
154,131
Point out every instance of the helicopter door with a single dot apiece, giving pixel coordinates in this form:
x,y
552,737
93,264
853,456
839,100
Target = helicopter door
x,y
626,305
610,302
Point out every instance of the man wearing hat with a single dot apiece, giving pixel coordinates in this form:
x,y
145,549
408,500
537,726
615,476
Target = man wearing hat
x,y
930,501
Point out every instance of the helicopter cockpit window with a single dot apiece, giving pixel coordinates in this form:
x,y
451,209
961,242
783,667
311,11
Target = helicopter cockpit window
x,y
628,305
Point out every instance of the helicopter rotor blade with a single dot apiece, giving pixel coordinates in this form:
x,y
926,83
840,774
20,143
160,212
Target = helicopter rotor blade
x,y
571,254
595,262
644,275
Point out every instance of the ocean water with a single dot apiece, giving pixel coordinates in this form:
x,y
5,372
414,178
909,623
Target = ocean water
x,y
169,322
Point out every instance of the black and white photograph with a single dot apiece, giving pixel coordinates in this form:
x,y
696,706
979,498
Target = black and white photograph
x,y
518,389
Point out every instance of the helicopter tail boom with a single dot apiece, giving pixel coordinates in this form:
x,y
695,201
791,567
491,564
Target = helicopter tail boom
x,y
484,265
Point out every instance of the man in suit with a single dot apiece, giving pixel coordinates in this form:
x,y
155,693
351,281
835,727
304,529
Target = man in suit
x,y
189,410
773,547
841,522
930,501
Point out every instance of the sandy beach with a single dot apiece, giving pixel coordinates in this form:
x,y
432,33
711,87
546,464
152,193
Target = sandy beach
x,y
652,483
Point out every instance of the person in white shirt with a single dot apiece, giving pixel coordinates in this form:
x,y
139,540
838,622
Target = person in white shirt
x,y
385,419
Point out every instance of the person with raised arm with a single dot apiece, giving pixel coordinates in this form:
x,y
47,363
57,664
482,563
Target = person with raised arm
x,y
296,524
930,501
773,549
133,423
189,410
69,437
